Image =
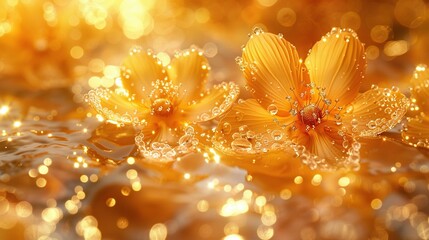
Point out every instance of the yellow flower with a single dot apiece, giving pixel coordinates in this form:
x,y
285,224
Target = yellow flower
x,y
315,103
164,101
416,131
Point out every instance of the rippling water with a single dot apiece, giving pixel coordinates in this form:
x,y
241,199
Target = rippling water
x,y
66,175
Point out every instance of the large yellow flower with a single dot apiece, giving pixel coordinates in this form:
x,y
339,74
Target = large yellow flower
x,y
416,131
315,103
164,101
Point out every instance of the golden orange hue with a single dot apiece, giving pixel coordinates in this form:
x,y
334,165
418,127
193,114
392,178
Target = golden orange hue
x,y
416,131
163,101
313,103
36,34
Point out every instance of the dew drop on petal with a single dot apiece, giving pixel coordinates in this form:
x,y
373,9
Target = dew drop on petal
x,y
226,127
250,134
356,145
354,122
189,130
185,140
204,117
277,135
241,144
272,109
349,109
257,30
371,124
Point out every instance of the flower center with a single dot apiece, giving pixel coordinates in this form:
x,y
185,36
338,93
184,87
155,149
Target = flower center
x,y
311,115
162,107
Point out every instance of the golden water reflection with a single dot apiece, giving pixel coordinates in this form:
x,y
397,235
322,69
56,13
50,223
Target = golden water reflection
x,y
65,173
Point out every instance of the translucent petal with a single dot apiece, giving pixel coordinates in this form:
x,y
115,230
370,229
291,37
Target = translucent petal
x,y
416,131
140,71
374,112
117,106
336,65
189,70
272,68
250,128
278,163
211,104
328,148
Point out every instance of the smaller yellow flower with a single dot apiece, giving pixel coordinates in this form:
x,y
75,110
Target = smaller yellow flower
x,y
315,103
164,101
416,130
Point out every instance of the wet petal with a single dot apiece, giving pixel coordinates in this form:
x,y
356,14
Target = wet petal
x,y
272,67
416,131
159,143
375,111
117,106
329,148
420,89
213,103
278,163
336,65
139,71
248,127
189,70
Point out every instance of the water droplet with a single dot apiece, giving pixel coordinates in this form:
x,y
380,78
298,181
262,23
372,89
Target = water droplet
x,y
250,134
155,154
347,38
189,130
257,30
386,92
356,145
216,111
388,110
226,127
277,135
241,144
204,117
354,122
185,140
349,109
238,116
371,124
236,135
272,109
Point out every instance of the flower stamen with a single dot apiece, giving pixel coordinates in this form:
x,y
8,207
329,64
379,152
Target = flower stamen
x,y
311,115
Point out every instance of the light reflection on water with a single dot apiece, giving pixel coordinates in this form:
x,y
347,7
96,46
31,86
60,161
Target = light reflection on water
x,y
66,175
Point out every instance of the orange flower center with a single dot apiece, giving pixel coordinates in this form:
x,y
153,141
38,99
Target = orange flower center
x,y
162,107
311,115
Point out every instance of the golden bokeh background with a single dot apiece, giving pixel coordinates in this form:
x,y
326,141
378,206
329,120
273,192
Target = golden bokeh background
x,y
64,175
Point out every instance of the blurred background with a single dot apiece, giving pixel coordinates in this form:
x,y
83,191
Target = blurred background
x,y
56,43
65,175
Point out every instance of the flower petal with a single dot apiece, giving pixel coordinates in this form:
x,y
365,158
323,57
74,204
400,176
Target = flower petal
x,y
117,106
420,88
330,149
248,127
375,111
278,163
189,70
336,65
416,131
139,71
213,103
272,68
